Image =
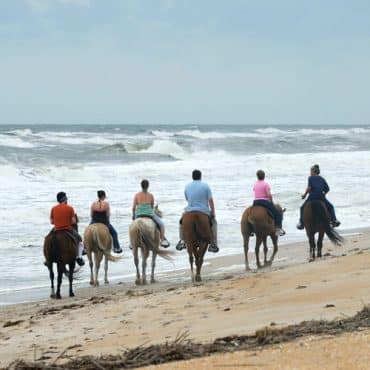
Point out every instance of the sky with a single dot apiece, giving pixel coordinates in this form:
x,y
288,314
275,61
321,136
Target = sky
x,y
185,62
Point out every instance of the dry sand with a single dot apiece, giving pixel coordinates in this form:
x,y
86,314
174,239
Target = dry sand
x,y
106,320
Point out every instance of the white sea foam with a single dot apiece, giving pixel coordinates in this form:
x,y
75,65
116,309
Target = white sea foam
x,y
30,187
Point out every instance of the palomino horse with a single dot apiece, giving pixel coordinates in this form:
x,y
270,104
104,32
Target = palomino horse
x,y
197,235
60,248
144,235
98,240
316,219
256,219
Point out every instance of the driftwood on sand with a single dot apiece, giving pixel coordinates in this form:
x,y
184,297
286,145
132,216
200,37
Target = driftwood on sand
x,y
183,349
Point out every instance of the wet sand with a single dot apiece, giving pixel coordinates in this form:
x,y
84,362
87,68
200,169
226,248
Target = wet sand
x,y
230,301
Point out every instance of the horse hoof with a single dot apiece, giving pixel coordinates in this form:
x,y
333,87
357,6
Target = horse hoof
x,y
152,281
144,282
198,278
58,296
53,295
106,282
92,282
71,294
137,282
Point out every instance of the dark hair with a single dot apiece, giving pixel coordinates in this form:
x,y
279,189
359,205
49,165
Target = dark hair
x,y
260,175
197,175
101,194
61,197
316,169
145,184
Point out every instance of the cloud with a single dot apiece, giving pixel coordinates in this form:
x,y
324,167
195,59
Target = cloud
x,y
43,6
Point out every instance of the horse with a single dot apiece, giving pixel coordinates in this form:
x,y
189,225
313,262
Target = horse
x,y
197,235
60,248
144,235
98,240
316,219
257,219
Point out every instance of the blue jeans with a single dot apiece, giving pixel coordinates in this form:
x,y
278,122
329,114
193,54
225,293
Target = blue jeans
x,y
329,206
278,218
158,220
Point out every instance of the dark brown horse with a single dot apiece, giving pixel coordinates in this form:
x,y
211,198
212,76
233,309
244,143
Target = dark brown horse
x,y
257,220
60,248
197,235
316,219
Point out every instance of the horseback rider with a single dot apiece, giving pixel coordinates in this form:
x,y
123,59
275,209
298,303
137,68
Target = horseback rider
x,y
263,197
100,213
143,206
63,217
317,189
199,197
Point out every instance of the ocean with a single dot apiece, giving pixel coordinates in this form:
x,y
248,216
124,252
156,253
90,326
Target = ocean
x,y
38,161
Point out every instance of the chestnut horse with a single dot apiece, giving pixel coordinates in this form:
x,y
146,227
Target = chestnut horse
x,y
98,240
257,220
197,235
60,248
316,219
144,235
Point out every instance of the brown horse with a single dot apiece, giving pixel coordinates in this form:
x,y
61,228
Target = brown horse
x,y
144,235
98,240
60,248
316,219
256,219
197,235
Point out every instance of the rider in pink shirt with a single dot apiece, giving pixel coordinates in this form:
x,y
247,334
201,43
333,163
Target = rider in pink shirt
x,y
263,197
262,190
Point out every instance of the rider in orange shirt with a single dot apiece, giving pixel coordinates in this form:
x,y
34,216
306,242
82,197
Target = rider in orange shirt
x,y
63,217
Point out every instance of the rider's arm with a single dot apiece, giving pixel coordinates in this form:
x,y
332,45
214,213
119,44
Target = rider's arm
x,y
134,204
108,209
152,200
308,190
268,193
212,207
91,209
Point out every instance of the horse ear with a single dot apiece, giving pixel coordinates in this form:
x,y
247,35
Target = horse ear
x,y
284,209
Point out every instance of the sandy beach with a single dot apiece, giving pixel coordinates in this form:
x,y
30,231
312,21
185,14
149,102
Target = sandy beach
x,y
230,301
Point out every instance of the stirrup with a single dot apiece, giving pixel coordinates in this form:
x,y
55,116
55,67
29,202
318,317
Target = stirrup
x,y
180,245
165,243
80,261
213,248
117,250
300,226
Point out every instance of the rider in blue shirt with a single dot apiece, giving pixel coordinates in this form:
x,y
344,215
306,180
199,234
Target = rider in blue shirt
x,y
317,189
199,197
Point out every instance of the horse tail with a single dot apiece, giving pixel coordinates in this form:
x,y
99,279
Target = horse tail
x,y
146,242
54,248
99,245
319,213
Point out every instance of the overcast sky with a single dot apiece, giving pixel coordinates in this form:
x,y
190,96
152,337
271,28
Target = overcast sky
x,y
185,61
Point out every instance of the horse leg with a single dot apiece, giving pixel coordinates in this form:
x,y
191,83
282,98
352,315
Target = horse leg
x,y
106,281
319,243
265,250
199,261
257,251
274,239
144,255
311,240
51,275
91,267
246,247
154,256
70,277
136,261
191,261
98,257
60,268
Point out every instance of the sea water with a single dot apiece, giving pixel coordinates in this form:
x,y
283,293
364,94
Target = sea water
x,y
38,161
